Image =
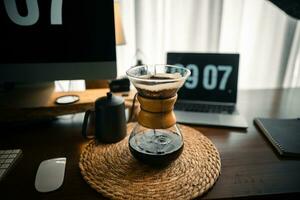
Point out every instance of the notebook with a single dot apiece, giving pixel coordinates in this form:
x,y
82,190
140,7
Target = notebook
x,y
209,95
284,134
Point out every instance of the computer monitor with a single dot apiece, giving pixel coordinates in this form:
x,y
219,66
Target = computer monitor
x,y
56,40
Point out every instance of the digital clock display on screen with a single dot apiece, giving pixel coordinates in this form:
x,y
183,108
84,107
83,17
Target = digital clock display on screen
x,y
213,77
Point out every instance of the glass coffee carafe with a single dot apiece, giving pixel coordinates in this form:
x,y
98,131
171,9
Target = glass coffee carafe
x,y
156,139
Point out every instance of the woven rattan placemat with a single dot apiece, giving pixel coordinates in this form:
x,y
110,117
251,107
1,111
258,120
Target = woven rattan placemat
x,y
111,170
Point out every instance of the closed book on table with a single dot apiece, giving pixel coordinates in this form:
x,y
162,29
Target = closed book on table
x,y
284,134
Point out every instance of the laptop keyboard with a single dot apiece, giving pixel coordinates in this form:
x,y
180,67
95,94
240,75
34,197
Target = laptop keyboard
x,y
206,108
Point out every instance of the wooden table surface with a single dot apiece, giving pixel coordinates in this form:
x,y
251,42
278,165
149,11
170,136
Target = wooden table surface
x,y
250,166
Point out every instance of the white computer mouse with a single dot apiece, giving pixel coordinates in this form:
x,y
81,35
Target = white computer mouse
x,y
50,174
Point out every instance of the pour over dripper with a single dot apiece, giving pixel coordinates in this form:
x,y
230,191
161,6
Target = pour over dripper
x,y
157,81
156,139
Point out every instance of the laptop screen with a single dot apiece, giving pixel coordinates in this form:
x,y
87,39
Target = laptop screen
x,y
214,77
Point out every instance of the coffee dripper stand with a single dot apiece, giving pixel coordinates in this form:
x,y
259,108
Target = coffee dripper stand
x,y
156,139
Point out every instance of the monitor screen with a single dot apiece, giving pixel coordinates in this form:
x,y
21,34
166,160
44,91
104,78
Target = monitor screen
x,y
214,76
45,40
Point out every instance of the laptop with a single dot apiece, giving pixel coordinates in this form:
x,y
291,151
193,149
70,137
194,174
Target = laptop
x,y
209,95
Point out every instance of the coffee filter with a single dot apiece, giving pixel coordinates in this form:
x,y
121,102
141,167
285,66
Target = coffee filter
x,y
160,81
159,86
